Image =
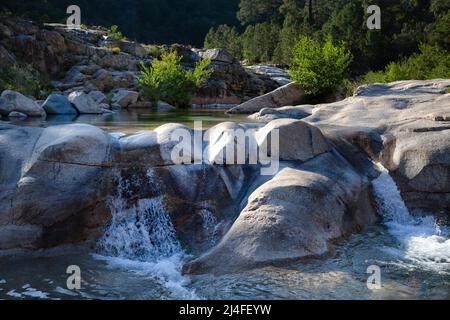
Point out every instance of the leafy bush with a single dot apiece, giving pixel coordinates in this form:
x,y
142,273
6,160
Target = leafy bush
x,y
319,69
166,80
24,79
431,63
115,50
114,33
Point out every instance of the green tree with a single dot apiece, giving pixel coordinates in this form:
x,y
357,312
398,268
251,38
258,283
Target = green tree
x,y
319,69
254,11
260,41
225,37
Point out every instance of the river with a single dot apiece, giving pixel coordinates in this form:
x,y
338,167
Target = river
x,y
139,257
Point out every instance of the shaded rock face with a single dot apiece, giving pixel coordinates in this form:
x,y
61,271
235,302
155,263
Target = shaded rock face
x,y
230,84
43,49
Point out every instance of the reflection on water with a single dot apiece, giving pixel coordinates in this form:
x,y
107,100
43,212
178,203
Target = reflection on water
x,y
131,121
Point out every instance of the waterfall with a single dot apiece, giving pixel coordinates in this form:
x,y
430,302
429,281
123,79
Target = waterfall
x,y
143,232
141,238
424,242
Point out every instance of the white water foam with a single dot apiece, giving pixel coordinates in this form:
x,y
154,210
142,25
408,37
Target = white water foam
x,y
143,232
142,239
424,242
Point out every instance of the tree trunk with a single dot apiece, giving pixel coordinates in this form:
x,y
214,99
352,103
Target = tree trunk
x,y
310,13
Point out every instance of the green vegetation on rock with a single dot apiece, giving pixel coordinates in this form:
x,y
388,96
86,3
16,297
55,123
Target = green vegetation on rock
x,y
166,80
21,78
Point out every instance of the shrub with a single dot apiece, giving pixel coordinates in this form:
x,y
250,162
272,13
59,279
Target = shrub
x,y
166,80
374,77
432,62
319,69
24,79
115,50
114,33
154,50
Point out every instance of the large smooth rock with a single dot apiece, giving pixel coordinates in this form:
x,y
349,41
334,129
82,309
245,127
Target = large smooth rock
x,y
297,214
418,157
14,101
283,96
157,148
58,104
84,103
297,139
405,126
54,184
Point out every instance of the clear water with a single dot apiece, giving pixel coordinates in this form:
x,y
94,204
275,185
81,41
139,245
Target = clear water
x,y
139,257
131,121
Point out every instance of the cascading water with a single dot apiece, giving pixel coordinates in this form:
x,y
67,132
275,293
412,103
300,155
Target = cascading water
x,y
141,238
425,243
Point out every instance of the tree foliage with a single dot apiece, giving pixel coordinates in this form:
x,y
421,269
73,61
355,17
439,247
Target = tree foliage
x,y
225,37
319,69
